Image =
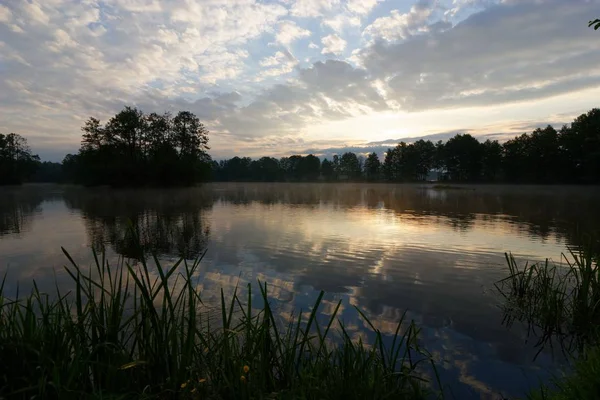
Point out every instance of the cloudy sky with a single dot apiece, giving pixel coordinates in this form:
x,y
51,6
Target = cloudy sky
x,y
277,77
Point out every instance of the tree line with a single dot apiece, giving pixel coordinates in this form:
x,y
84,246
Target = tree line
x,y
134,148
546,155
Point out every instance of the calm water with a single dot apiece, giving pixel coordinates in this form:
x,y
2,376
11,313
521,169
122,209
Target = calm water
x,y
384,248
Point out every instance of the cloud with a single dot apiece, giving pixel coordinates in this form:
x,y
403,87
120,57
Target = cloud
x,y
505,53
340,22
459,6
331,90
361,7
281,63
333,44
401,26
35,13
312,8
75,59
5,14
288,32
381,146
63,61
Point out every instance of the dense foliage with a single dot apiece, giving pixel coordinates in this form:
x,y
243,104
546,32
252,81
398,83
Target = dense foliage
x,y
48,171
294,168
133,148
17,163
569,155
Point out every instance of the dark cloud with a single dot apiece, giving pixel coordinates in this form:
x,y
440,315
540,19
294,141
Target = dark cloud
x,y
508,52
434,137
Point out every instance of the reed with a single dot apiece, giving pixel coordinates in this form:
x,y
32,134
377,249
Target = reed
x,y
130,331
558,301
561,304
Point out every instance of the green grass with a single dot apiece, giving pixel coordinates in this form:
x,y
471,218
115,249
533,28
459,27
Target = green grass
x,y
122,332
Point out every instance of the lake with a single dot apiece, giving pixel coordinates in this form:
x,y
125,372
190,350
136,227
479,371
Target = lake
x,y
433,251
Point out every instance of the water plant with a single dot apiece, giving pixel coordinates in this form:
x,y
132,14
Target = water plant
x,y
559,302
580,384
141,331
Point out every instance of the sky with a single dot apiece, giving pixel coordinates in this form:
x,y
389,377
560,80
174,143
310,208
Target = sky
x,y
282,77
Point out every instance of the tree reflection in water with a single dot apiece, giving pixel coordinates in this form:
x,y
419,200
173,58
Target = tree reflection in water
x,y
167,222
19,204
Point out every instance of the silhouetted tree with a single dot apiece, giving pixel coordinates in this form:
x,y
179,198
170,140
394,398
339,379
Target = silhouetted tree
x,y
462,158
310,167
48,172
336,166
392,164
372,167
137,149
17,163
544,158
235,169
327,170
491,161
350,166
266,169
410,162
425,151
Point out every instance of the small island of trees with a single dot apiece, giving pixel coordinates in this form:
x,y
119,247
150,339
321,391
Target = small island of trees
x,y
133,148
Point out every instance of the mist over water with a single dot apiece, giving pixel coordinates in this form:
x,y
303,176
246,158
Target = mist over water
x,y
432,251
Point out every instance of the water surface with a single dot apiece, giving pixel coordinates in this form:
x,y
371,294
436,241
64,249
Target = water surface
x,y
435,252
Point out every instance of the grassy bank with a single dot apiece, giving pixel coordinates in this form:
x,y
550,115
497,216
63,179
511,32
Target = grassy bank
x,y
122,332
561,305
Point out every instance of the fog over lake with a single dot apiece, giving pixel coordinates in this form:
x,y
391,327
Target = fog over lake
x,y
433,251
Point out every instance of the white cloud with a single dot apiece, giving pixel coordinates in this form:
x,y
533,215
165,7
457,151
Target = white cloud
x,y
87,64
312,8
5,14
401,26
288,32
312,45
341,22
139,6
361,7
281,63
35,13
459,5
333,44
273,60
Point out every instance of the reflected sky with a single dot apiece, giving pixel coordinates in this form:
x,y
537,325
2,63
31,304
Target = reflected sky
x,y
383,248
